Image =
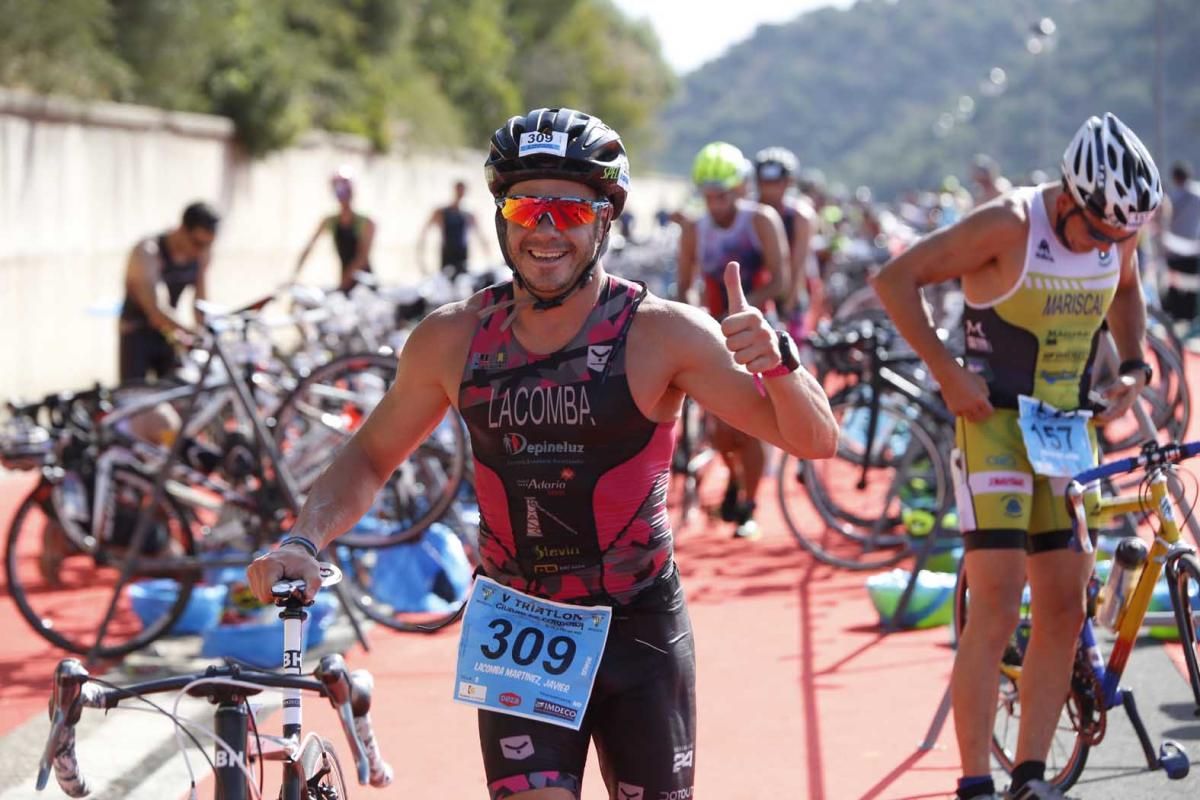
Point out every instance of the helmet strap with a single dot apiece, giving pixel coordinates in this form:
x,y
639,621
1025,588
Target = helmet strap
x,y
1060,224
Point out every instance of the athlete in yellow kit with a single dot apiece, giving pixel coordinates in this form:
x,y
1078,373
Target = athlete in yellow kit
x,y
1042,268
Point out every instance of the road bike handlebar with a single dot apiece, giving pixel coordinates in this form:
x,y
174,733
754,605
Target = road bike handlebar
x,y
1152,455
348,692
71,694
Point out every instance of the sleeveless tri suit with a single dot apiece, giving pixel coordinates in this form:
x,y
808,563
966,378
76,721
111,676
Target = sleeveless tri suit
x,y
1039,340
572,482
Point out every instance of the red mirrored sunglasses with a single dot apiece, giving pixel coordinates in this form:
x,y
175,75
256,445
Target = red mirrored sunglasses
x,y
565,212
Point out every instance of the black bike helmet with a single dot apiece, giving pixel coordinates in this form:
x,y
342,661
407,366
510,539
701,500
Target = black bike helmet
x,y
558,143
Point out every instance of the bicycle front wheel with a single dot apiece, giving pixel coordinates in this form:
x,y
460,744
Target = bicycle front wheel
x,y
63,591
1069,748
413,587
322,772
1185,599
325,410
869,500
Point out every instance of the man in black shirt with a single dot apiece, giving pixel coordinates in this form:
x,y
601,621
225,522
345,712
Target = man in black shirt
x,y
175,259
454,222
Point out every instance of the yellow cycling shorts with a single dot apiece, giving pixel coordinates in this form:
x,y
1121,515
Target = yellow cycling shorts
x,y
1001,502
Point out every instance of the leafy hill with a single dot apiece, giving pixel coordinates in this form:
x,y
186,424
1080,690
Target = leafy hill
x,y
858,92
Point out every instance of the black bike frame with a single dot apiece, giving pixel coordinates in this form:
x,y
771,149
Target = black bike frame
x,y
195,564
882,379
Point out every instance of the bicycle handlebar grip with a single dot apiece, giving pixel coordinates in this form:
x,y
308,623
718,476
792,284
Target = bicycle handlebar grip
x,y
361,686
66,766
70,694
70,676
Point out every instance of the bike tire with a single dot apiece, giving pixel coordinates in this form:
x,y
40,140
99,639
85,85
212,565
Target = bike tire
x,y
1167,399
420,490
690,459
1061,772
1186,574
322,771
25,586
857,537
1159,324
357,566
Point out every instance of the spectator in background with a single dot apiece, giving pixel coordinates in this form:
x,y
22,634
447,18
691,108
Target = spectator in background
x,y
455,223
175,260
1181,239
989,183
352,233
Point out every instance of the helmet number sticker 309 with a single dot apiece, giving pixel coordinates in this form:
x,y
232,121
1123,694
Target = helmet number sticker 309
x,y
529,657
533,142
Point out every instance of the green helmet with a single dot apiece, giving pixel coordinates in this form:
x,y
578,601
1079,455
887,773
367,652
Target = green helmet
x,y
720,164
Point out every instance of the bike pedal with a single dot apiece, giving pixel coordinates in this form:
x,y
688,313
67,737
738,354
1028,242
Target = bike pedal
x,y
1173,759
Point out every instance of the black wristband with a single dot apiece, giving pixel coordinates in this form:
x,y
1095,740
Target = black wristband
x,y
303,542
1135,365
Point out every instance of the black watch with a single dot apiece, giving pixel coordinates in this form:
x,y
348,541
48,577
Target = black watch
x,y
788,354
1135,365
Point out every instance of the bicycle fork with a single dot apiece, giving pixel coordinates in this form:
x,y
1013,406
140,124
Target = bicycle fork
x,y
1108,693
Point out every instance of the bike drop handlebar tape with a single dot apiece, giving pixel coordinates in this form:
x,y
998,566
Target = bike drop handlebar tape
x,y
66,766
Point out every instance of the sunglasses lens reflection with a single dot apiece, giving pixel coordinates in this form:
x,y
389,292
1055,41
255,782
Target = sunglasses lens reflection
x,y
564,212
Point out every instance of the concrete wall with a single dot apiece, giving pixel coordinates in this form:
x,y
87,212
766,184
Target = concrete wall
x,y
80,183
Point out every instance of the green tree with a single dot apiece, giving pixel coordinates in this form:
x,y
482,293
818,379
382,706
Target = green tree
x,y
440,72
61,48
462,43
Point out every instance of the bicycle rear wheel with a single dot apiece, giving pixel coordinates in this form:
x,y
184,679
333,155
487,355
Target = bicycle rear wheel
x,y
328,406
868,499
63,590
1069,748
1167,400
413,587
691,458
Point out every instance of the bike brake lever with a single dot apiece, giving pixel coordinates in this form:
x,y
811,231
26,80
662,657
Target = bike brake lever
x,y
331,671
57,725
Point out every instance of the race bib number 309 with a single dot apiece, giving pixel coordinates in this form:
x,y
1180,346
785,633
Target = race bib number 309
x,y
527,656
1057,442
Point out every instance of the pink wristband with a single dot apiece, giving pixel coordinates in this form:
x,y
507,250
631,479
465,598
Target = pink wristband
x,y
777,370
773,372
